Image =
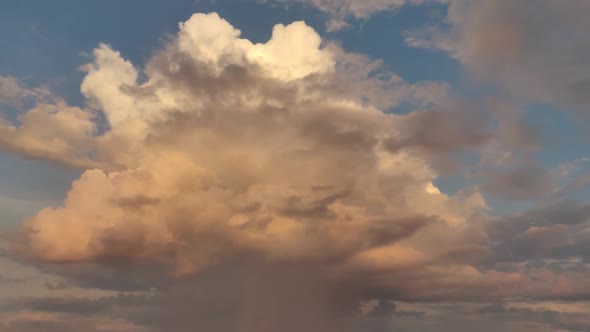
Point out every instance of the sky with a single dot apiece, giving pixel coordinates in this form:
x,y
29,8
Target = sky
x,y
294,165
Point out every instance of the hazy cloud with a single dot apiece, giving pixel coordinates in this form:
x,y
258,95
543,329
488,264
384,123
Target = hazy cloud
x,y
340,11
537,51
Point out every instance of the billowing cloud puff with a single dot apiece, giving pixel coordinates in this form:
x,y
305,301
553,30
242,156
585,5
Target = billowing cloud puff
x,y
50,130
227,148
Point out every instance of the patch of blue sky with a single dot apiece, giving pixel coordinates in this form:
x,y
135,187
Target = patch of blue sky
x,y
382,37
565,133
29,185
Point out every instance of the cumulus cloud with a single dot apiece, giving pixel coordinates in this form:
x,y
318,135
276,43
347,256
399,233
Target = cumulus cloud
x,y
55,132
246,147
51,129
535,51
249,187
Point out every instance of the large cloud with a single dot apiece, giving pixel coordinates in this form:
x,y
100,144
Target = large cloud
x,y
228,146
248,187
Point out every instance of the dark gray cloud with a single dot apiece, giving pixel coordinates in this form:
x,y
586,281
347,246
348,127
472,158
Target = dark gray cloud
x,y
552,231
527,180
444,130
534,50
576,321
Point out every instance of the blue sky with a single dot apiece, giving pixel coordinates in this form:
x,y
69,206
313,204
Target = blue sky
x,y
387,165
